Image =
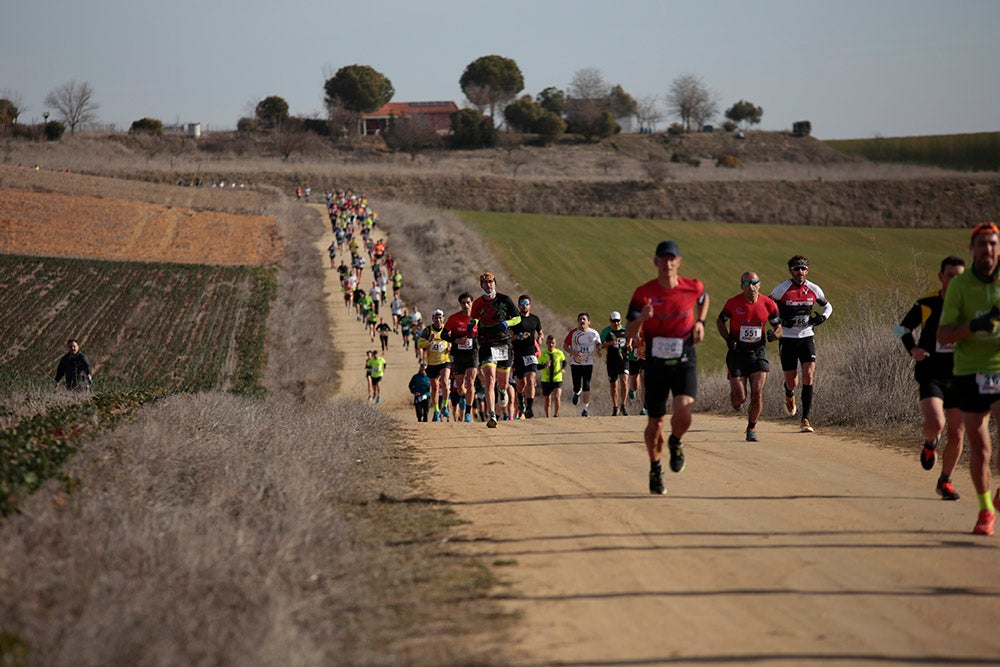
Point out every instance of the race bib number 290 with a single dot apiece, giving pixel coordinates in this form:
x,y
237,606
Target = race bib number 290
x,y
667,348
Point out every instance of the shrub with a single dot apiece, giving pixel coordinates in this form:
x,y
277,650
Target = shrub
x,y
729,126
147,126
675,129
54,130
471,129
802,128
730,162
248,124
550,128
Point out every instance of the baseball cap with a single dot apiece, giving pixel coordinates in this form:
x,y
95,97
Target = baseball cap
x,y
437,311
615,315
486,276
667,248
985,228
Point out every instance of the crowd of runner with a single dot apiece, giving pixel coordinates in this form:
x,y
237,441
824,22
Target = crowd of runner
x,y
488,360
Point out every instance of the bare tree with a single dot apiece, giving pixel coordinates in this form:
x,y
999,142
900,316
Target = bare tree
x,y
74,102
588,84
648,112
690,100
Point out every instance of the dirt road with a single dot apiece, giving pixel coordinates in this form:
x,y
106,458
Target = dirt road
x,y
802,549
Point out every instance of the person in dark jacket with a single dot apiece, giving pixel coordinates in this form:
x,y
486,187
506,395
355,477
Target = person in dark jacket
x,y
420,387
75,367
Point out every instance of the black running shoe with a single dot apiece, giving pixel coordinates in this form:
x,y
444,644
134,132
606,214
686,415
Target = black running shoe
x,y
928,457
623,412
677,457
656,482
946,490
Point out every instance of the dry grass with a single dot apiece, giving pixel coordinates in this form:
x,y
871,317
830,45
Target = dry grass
x,y
226,531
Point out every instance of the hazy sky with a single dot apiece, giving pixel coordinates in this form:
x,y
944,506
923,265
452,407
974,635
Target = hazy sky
x,y
854,68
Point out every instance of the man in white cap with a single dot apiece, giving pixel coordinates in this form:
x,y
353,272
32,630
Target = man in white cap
x,y
616,346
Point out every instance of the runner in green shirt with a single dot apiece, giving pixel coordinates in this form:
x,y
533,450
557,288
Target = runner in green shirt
x,y
969,319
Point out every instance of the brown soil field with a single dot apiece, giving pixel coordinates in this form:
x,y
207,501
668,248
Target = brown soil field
x,y
60,225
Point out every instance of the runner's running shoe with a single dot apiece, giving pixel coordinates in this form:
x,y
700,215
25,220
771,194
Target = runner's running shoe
x,y
445,414
503,399
751,435
614,411
468,416
946,490
790,407
623,412
492,421
806,427
984,525
576,397
656,482
584,414
631,394
677,457
529,413
928,456
436,417
642,413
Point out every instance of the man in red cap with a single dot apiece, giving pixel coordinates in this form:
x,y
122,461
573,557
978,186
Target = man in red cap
x,y
969,319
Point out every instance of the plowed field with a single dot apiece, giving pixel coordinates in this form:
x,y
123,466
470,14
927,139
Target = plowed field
x,y
56,225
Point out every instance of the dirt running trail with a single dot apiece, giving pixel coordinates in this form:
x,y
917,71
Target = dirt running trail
x,y
798,550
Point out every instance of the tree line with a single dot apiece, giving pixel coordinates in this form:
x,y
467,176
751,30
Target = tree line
x,y
493,85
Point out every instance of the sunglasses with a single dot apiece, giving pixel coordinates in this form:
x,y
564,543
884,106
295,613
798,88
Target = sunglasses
x,y
748,283
800,268
525,303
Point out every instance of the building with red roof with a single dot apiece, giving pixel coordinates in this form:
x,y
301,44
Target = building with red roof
x,y
437,114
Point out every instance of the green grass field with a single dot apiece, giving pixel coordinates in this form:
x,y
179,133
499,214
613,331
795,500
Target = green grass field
x,y
577,264
968,152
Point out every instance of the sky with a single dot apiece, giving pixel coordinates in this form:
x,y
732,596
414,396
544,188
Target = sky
x,y
853,68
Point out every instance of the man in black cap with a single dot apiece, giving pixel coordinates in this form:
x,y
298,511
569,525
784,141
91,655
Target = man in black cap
x,y
669,313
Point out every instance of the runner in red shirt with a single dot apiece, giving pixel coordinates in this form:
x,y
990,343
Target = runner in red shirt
x,y
741,324
464,353
669,313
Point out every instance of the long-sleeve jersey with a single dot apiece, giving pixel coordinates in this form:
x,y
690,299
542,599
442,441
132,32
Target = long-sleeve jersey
x,y
926,314
795,303
489,313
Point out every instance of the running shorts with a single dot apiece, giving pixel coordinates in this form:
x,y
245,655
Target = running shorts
x,y
744,363
665,379
795,351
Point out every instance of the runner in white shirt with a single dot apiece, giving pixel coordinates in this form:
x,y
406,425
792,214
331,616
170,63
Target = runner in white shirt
x,y
581,345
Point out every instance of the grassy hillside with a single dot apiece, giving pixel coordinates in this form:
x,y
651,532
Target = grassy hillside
x,y
593,264
967,152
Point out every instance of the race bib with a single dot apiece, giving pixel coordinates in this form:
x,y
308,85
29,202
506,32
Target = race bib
x,y
800,320
464,343
989,383
439,346
945,348
620,342
500,353
749,334
528,360
584,349
667,348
